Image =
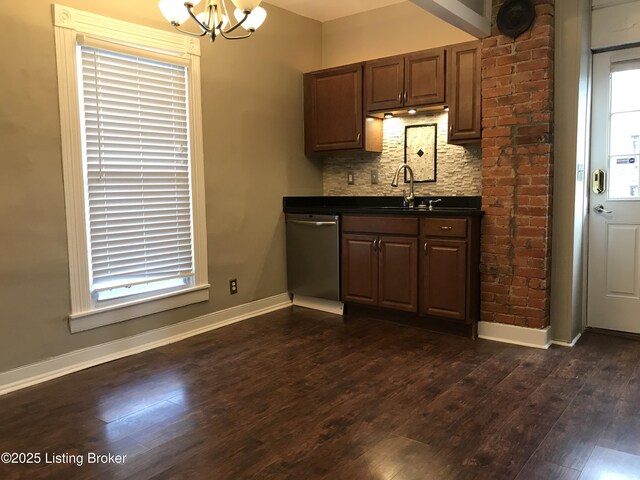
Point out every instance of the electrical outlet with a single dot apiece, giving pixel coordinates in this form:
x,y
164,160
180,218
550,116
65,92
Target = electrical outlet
x,y
350,178
233,286
374,177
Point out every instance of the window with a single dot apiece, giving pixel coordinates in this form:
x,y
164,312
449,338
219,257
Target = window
x,y
132,158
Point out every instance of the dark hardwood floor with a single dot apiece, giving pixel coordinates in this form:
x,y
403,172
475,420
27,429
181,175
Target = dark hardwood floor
x,y
298,394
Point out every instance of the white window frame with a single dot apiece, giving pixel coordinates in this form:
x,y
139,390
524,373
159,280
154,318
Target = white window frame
x,y
72,26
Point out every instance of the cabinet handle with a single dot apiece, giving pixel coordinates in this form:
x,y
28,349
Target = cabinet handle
x,y
375,245
406,96
358,138
425,247
379,245
446,228
400,97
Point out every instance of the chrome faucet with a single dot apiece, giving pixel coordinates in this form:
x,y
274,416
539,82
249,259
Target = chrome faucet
x,y
394,183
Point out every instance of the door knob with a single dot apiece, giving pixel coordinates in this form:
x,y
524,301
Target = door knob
x,y
600,209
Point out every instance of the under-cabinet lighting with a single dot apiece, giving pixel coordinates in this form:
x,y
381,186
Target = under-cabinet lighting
x,y
412,111
388,115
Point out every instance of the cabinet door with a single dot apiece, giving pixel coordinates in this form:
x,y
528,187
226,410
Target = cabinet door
x,y
384,84
398,275
443,285
359,269
464,92
333,109
424,79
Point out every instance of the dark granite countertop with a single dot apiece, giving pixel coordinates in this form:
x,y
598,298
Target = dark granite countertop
x,y
449,206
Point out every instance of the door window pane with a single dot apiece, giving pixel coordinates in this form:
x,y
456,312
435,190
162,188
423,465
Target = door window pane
x,y
625,94
624,175
624,135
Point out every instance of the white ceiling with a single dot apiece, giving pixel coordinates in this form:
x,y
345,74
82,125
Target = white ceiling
x,y
324,10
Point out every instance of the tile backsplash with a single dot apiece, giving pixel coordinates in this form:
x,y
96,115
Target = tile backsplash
x,y
458,168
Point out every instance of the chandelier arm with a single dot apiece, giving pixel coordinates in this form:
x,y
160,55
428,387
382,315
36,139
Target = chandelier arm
x,y
177,27
235,38
189,7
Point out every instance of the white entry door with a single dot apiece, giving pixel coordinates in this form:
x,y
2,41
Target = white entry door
x,y
614,212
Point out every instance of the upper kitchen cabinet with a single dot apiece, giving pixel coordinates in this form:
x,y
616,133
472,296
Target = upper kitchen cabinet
x,y
464,92
334,117
412,80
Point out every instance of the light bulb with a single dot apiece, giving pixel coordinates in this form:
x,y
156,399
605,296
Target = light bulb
x,y
174,10
246,5
254,20
204,18
225,22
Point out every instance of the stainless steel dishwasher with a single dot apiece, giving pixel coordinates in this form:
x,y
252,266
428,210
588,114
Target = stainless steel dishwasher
x,y
313,260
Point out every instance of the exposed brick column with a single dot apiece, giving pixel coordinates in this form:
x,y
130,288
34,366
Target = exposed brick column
x,y
517,172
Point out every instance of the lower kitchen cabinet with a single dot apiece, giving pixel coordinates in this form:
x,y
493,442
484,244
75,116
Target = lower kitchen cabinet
x,y
380,262
398,273
360,269
449,268
425,265
443,272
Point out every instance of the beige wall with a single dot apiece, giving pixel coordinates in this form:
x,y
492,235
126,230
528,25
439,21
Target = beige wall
x,y
252,114
386,31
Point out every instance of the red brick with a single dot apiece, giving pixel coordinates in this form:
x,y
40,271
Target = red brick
x,y
537,64
532,44
507,319
544,52
497,91
496,51
496,71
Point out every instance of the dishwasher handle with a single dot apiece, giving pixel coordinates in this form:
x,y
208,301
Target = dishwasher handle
x,y
313,224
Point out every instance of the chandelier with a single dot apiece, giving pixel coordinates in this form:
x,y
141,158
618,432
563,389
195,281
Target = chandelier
x,y
214,19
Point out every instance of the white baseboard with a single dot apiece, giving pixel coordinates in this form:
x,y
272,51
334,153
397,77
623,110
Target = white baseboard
x,y
322,304
566,344
51,368
528,337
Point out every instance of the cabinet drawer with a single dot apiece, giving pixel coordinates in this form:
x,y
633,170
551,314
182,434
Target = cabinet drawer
x,y
391,225
444,227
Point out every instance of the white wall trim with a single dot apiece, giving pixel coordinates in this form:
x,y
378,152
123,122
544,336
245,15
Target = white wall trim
x,y
125,32
567,344
51,368
528,337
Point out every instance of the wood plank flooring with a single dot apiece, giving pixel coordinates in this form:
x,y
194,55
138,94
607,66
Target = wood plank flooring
x,y
298,394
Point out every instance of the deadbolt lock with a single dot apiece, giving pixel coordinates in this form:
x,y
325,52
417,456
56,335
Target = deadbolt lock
x,y
599,181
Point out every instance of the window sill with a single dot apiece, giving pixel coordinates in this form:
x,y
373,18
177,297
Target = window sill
x,y
79,322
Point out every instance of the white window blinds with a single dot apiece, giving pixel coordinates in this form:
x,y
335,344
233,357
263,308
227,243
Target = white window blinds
x,y
137,167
